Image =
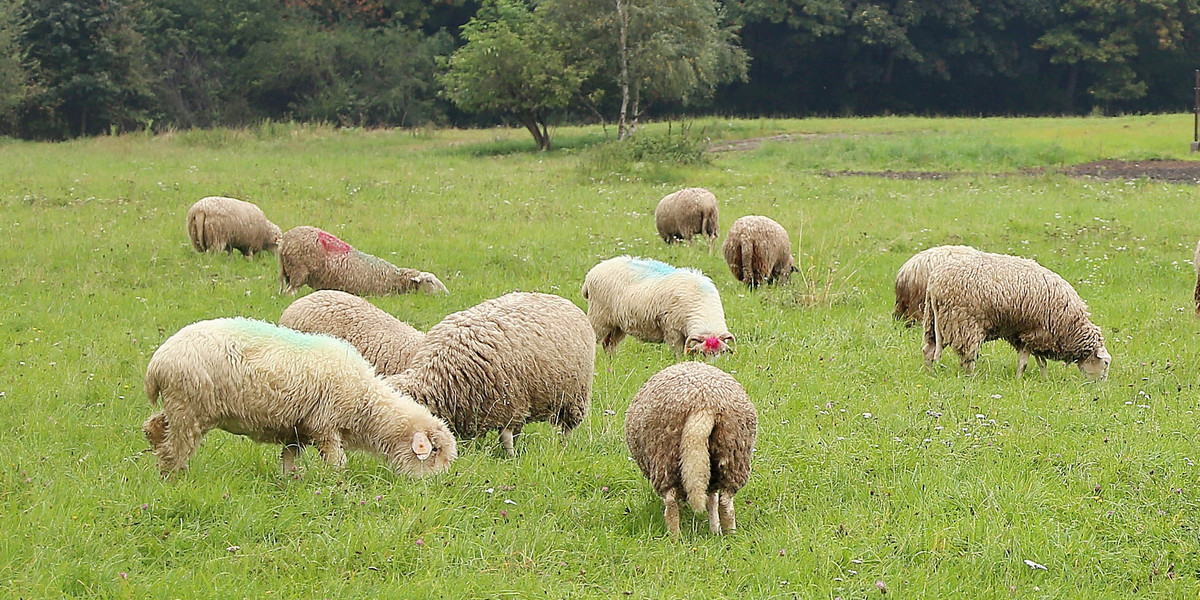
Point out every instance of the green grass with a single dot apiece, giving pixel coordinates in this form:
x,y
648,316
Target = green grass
x,y
867,469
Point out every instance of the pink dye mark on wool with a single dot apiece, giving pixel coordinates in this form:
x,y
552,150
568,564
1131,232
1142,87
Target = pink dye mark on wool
x,y
331,244
712,344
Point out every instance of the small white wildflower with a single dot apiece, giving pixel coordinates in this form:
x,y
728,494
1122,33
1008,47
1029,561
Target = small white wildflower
x,y
866,415
1033,565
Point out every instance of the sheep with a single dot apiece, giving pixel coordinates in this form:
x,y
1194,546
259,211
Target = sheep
x,y
913,276
757,250
691,429
319,259
688,212
983,296
385,341
279,386
655,302
1196,264
520,358
219,224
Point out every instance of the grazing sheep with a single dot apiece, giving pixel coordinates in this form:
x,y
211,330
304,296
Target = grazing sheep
x,y
279,386
508,361
655,302
688,212
319,259
1196,263
757,250
385,341
691,428
913,277
218,224
981,297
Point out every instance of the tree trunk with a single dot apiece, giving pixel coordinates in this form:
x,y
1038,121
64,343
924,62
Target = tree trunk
x,y
623,75
635,109
537,128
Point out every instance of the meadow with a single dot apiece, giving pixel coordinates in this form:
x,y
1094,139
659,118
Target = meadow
x,y
871,474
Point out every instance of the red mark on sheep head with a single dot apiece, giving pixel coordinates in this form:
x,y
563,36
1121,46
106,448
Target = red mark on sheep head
x,y
331,244
709,345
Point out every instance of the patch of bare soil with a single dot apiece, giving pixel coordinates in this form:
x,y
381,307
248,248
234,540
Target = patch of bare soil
x,y
1180,171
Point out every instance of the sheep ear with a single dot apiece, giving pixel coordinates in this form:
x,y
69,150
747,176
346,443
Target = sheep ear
x,y
421,446
727,340
692,344
1102,354
416,280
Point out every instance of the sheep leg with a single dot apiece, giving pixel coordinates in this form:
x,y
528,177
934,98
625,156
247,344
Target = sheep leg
x,y
506,440
676,341
671,513
330,446
728,523
714,517
1041,361
288,456
1022,362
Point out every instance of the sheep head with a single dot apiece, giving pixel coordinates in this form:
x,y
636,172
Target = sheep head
x,y
430,284
709,345
1096,364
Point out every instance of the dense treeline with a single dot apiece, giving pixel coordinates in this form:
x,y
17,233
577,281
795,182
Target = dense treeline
x,y
81,67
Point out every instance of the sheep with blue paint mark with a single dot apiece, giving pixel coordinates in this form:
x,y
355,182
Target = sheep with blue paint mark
x,y
279,386
655,302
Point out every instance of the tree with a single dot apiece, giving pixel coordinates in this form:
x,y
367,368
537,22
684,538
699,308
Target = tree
x,y
511,64
650,50
14,82
89,62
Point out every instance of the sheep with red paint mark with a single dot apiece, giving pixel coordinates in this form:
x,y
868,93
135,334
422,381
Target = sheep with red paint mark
x,y
310,256
655,302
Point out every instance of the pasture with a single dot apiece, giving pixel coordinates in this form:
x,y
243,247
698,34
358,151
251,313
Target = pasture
x,y
870,472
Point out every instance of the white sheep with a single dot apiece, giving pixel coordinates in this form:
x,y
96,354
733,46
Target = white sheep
x,y
983,296
758,250
913,277
516,359
385,341
688,212
219,224
655,302
691,429
319,259
279,386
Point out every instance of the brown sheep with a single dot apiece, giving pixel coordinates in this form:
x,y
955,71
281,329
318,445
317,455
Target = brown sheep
x,y
758,250
688,212
691,429
219,224
319,259
385,341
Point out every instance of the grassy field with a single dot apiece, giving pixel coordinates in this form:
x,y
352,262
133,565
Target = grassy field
x,y
869,470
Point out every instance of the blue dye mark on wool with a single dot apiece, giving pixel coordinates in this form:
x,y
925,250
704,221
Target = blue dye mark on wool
x,y
288,336
652,268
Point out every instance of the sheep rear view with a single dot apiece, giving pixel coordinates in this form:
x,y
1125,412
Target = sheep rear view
x,y
982,297
913,278
279,386
310,256
691,429
655,302
220,224
520,358
686,213
385,341
758,250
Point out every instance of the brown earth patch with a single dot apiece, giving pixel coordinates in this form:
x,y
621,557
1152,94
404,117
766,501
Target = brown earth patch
x,y
1181,171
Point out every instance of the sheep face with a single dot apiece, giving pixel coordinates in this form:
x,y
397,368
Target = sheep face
x,y
709,345
427,452
430,284
1096,365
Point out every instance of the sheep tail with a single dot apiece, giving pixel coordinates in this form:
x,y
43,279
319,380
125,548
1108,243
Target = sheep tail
x,y
749,270
585,289
937,329
151,386
196,230
695,465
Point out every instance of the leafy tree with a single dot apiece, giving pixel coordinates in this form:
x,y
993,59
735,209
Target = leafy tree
x,y
511,64
89,63
14,81
650,50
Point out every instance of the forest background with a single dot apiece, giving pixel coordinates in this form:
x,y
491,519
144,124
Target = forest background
x,y
86,67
